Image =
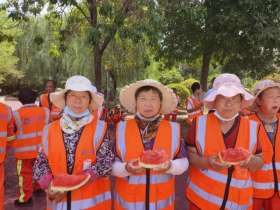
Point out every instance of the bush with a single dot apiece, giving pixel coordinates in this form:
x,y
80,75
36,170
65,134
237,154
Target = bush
x,y
182,91
188,83
170,77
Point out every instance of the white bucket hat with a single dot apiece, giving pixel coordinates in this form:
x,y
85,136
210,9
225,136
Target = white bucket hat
x,y
77,83
127,96
228,85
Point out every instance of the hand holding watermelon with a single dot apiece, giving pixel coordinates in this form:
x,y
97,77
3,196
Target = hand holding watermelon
x,y
131,168
54,197
212,163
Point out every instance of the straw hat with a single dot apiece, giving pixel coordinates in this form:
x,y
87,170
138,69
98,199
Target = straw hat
x,y
127,96
259,88
228,85
77,83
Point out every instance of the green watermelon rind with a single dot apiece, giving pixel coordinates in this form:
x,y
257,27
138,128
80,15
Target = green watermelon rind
x,y
65,189
230,163
150,166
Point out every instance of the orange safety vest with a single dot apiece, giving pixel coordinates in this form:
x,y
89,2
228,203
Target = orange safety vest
x,y
130,192
221,189
5,118
29,122
266,180
248,112
45,103
94,196
197,112
98,113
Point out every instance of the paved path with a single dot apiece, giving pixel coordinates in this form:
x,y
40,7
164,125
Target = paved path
x,y
11,182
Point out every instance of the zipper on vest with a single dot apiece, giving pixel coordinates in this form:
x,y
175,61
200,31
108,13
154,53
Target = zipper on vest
x,y
147,189
230,171
274,171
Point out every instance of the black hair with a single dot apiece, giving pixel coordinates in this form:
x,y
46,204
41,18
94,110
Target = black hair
x,y
67,92
52,81
195,86
146,89
27,96
213,80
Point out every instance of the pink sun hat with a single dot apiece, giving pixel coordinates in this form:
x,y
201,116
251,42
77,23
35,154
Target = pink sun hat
x,y
228,85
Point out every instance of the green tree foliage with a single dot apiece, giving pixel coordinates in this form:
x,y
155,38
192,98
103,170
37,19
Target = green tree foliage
x,y
8,62
188,83
100,21
170,77
242,36
182,91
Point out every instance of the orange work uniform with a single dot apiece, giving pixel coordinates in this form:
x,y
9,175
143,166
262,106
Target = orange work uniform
x,y
6,137
100,112
29,122
174,113
221,189
150,189
198,112
55,111
94,196
266,180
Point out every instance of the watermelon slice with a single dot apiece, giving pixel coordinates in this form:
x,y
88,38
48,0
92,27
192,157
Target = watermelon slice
x,y
234,156
65,182
153,159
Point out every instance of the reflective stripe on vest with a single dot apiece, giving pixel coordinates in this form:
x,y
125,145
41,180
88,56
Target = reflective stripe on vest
x,y
9,114
141,205
25,149
55,113
3,134
2,149
45,138
82,204
154,179
194,112
217,200
99,112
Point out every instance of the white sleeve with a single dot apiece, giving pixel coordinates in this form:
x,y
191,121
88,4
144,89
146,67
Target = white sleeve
x,y
119,169
178,166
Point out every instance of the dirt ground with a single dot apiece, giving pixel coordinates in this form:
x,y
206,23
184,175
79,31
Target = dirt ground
x,y
11,181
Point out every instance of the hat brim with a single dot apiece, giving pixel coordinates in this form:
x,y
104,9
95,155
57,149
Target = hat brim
x,y
58,98
127,96
254,107
228,91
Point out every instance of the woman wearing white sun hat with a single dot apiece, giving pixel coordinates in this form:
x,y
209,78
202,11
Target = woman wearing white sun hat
x,y
212,184
68,144
138,188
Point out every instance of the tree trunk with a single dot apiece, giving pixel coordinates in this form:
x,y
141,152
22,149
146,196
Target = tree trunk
x,y
97,67
205,70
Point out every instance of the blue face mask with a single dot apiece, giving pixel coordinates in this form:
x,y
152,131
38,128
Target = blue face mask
x,y
68,111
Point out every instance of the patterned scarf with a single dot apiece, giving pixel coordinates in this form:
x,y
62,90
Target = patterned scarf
x,y
148,127
69,126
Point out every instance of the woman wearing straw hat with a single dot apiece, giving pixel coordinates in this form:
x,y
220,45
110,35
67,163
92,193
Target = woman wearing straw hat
x,y
138,188
266,181
212,184
68,144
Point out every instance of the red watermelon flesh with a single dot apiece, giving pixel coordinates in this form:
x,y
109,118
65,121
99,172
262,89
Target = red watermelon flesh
x,y
234,156
65,182
153,159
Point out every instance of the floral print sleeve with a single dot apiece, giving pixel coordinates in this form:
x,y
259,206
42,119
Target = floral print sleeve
x,y
104,159
41,166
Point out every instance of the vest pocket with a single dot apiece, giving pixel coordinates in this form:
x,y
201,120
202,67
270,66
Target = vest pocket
x,y
245,195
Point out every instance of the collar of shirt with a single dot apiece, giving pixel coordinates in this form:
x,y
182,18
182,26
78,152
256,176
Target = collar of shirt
x,y
28,105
